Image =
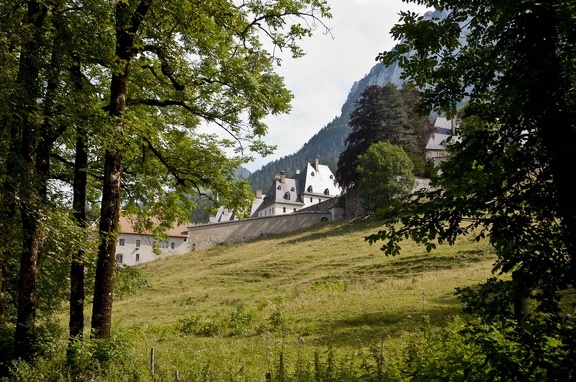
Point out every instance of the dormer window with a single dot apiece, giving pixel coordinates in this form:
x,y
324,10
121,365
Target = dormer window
x,y
312,173
331,176
292,189
326,192
287,196
309,189
279,187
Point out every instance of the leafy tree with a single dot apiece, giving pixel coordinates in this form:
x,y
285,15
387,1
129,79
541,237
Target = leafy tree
x,y
507,178
382,114
385,175
185,64
161,71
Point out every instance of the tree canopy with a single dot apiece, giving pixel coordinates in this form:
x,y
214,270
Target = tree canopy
x,y
119,101
382,113
385,176
507,178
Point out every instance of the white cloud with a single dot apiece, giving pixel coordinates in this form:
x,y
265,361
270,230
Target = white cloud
x,y
321,80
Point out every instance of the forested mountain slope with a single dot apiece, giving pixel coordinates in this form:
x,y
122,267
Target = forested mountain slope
x,y
328,143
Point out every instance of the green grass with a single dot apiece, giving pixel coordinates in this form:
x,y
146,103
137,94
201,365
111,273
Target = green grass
x,y
324,288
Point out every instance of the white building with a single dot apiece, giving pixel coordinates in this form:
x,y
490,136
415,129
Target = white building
x,y
134,248
316,184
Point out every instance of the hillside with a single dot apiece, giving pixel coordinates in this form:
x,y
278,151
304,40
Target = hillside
x,y
237,307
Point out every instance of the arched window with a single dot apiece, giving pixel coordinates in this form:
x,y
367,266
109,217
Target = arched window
x,y
326,192
309,189
287,196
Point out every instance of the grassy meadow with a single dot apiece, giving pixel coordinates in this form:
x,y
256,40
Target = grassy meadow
x,y
233,311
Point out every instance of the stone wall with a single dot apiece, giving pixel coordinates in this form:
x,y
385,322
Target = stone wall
x,y
354,208
206,235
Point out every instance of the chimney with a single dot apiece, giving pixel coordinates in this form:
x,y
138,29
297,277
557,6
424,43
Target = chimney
x,y
282,176
316,161
258,193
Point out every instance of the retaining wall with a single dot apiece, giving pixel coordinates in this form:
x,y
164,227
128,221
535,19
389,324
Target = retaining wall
x,y
206,235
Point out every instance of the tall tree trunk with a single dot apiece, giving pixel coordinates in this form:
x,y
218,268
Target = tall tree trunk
x,y
76,322
127,24
109,217
548,84
24,131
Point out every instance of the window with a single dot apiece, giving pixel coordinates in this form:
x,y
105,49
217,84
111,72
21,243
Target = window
x,y
311,201
137,243
284,209
164,244
119,258
287,196
137,257
326,192
309,189
319,200
294,209
172,245
121,242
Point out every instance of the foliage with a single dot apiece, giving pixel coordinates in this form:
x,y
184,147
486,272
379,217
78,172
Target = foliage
x,y
382,114
103,359
386,175
504,179
541,349
129,281
138,88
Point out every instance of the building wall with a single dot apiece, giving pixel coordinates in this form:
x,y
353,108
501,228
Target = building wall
x,y
311,199
133,249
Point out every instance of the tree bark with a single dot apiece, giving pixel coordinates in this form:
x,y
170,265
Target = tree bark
x,y
548,86
76,322
127,24
23,133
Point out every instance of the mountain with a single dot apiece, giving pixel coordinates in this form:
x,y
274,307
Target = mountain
x,y
328,143
243,173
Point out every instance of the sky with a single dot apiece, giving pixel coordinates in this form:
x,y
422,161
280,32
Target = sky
x,y
320,81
